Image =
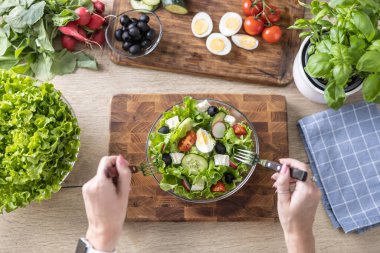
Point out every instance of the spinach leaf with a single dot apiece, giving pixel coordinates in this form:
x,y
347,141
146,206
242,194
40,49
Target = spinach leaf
x,y
64,63
64,17
19,18
86,61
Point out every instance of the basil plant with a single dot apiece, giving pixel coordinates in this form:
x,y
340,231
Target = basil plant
x,y
345,43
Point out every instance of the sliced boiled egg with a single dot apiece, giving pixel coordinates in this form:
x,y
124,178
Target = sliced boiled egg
x,y
201,26
245,41
230,23
218,44
205,143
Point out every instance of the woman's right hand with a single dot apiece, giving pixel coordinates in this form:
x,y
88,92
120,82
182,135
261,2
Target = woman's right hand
x,y
296,208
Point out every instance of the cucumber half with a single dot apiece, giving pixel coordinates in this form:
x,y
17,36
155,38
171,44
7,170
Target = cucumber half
x,y
141,5
175,6
194,163
152,2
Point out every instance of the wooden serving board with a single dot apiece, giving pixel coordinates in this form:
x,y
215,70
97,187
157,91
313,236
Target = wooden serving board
x,y
131,118
179,51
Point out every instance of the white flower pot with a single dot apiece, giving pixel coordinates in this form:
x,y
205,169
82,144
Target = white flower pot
x,y
311,87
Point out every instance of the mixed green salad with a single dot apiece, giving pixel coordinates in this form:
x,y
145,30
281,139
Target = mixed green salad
x,y
39,140
193,149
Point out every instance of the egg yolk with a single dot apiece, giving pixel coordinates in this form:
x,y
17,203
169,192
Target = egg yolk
x,y
200,26
247,41
217,45
232,24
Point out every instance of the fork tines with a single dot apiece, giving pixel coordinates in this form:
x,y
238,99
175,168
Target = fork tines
x,y
245,156
147,169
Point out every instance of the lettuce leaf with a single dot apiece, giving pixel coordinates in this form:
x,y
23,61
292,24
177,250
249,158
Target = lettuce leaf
x,y
39,141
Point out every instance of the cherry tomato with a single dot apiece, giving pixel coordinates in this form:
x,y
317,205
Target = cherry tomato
x,y
271,14
187,142
239,129
252,8
272,34
218,187
253,26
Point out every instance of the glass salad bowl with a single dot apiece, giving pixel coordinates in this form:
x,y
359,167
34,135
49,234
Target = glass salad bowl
x,y
160,168
153,39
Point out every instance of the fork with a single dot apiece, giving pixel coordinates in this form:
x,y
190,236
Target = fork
x,y
147,169
251,158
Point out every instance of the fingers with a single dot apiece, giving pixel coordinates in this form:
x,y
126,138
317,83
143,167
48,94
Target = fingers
x,y
294,163
105,166
283,185
125,174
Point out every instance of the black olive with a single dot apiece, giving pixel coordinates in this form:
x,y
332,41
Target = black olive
x,y
144,18
134,31
125,20
127,45
145,44
164,130
167,159
143,26
135,49
220,148
125,36
137,39
118,34
212,110
131,25
151,34
134,20
229,178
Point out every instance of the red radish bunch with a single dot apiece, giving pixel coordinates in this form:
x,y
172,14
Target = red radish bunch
x,y
91,22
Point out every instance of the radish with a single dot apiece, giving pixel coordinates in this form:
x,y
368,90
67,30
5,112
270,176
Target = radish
x,y
71,29
82,32
96,22
84,16
68,42
99,7
99,37
218,130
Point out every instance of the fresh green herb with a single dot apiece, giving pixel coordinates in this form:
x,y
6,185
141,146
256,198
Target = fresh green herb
x,y
347,47
39,140
27,31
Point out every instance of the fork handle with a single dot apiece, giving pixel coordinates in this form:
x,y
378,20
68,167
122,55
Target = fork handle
x,y
294,172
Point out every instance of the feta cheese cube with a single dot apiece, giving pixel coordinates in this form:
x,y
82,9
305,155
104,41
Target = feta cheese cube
x,y
172,122
198,185
203,106
177,157
230,119
223,160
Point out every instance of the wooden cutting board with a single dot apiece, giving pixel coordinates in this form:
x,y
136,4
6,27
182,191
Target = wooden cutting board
x,y
179,51
131,118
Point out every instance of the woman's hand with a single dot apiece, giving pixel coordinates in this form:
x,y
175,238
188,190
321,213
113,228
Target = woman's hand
x,y
296,208
106,199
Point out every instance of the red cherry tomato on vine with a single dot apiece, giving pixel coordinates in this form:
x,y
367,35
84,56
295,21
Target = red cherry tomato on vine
x,y
272,34
253,26
252,8
271,14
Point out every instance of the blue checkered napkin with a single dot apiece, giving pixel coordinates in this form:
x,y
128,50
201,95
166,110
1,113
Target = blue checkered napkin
x,y
344,152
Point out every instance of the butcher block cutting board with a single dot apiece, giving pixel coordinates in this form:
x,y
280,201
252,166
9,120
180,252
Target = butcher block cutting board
x,y
131,118
179,51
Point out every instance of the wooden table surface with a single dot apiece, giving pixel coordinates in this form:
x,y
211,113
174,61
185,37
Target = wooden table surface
x,y
56,224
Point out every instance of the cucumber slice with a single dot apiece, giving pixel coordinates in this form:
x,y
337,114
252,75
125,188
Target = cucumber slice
x,y
151,2
140,5
194,163
219,117
175,6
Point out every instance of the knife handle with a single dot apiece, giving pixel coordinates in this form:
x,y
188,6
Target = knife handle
x,y
294,172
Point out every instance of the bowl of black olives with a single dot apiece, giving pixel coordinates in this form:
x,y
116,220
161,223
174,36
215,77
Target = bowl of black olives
x,y
134,33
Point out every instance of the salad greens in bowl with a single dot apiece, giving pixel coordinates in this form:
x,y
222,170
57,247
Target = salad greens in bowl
x,y
39,140
191,146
